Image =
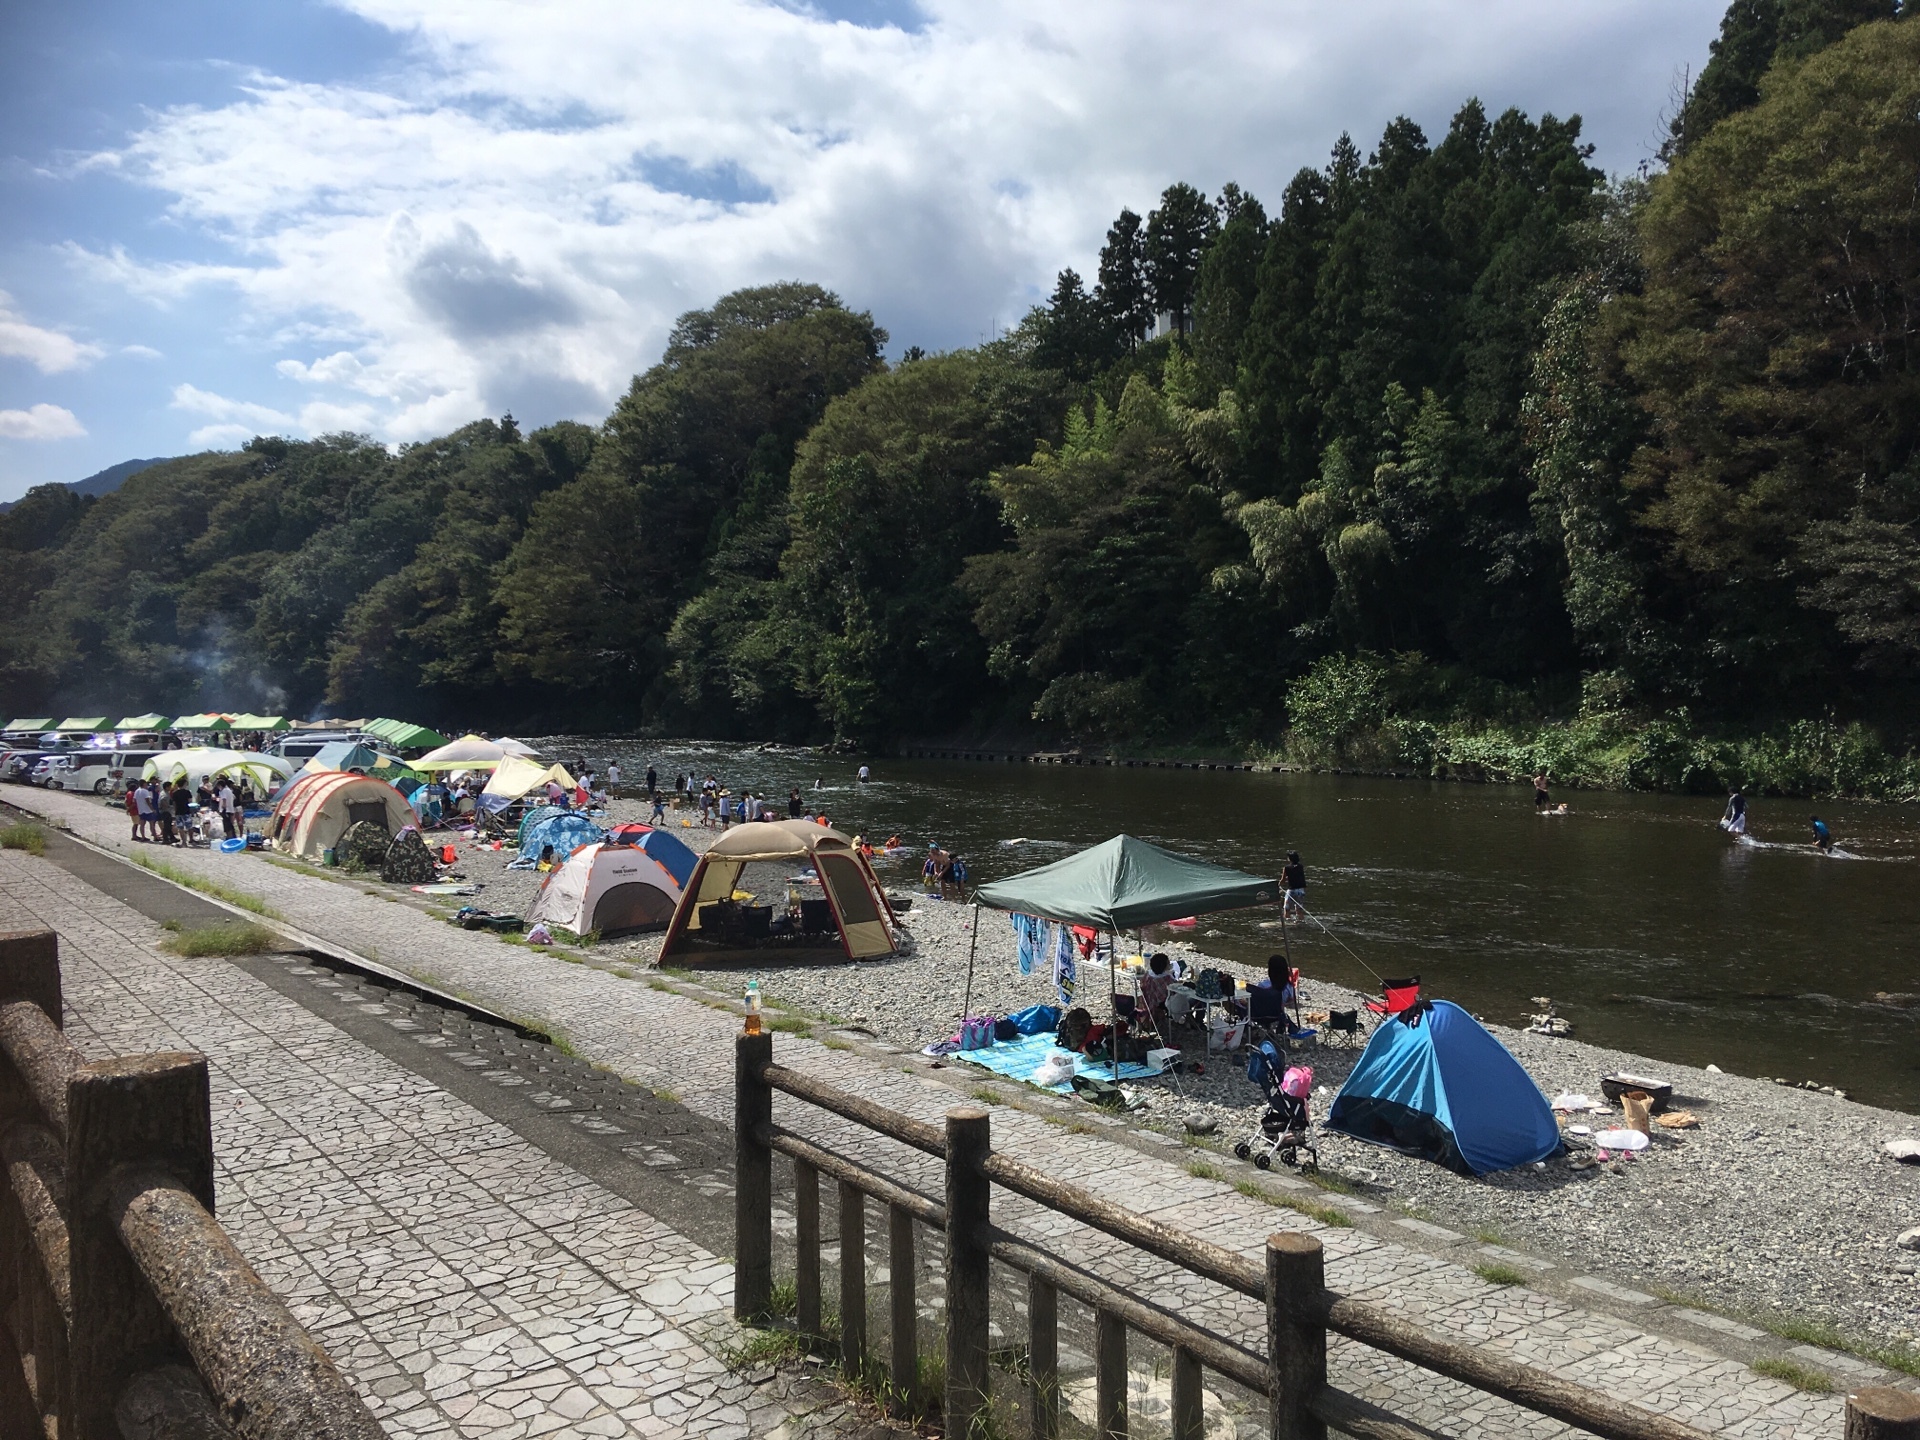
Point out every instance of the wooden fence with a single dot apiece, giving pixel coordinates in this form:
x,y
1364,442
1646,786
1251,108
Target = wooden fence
x,y
126,1312
1301,1310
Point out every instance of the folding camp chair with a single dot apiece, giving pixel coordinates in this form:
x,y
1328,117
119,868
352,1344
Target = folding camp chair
x,y
1397,996
1343,1024
1268,1015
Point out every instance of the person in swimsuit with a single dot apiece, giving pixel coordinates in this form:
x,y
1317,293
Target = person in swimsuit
x,y
1734,821
1540,791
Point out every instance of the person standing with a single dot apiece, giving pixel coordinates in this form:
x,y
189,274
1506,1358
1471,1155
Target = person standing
x,y
181,801
1734,820
160,797
134,813
1822,836
1293,880
1540,800
795,806
653,781
659,814
613,778
865,774
229,808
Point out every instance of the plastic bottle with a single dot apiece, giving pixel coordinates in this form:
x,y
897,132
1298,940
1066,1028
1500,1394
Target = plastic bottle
x,y
753,1008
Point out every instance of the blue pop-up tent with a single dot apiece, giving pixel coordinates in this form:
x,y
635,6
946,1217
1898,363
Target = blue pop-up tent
x,y
1434,1083
565,830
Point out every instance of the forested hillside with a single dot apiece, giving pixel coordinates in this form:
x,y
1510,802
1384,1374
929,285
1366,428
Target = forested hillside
x,y
1457,452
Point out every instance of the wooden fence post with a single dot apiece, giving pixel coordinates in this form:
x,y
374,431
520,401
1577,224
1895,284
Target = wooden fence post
x,y
29,1309
1296,1333
969,1141
1110,1376
1043,1358
853,1278
1881,1412
903,1352
1189,1420
752,1177
141,1113
806,1240
30,970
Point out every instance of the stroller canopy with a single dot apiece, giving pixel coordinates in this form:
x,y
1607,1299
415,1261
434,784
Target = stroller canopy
x,y
1434,1083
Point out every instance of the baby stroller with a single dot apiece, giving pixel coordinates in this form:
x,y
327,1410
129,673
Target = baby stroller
x,y
1284,1126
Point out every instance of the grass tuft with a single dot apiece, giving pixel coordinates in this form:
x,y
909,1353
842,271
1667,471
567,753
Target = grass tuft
x,y
24,836
987,1095
1501,1274
226,937
1325,1214
1204,1170
239,898
1801,1377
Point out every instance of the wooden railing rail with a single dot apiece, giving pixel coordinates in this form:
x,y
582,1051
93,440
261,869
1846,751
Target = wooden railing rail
x,y
126,1312
1301,1311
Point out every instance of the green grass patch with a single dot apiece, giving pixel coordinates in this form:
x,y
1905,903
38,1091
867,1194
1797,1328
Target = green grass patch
x,y
1501,1274
24,835
987,1095
227,937
1327,1180
834,1043
1487,1235
1829,1337
238,898
787,1024
765,1347
1325,1214
1204,1170
1801,1377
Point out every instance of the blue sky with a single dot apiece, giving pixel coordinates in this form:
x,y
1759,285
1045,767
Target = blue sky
x,y
392,216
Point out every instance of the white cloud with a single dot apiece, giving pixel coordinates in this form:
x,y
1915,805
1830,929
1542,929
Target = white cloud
x,y
241,412
515,216
48,350
40,422
220,437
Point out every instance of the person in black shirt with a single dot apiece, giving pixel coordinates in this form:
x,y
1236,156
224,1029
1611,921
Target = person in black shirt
x,y
796,807
1293,880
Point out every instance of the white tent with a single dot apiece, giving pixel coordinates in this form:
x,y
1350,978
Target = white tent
x,y
512,746
608,888
201,763
469,752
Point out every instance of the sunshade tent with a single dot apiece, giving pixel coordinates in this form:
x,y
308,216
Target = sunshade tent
x,y
1120,884
200,763
143,722
1434,1083
469,752
514,777
36,726
262,722
404,736
860,909
609,888
565,830
316,809
1123,884
93,726
207,721
344,755
512,746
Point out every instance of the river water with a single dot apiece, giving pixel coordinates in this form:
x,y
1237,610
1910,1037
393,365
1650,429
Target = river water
x,y
1650,930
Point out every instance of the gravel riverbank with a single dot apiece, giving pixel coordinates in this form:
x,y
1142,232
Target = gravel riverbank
x,y
1782,1203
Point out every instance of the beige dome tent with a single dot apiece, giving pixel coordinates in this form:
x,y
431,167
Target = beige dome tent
x,y
859,911
316,809
608,888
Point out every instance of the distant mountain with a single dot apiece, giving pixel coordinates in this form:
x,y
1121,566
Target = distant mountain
x,y
104,483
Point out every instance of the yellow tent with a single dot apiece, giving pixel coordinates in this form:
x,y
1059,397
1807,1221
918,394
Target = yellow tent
x,y
514,777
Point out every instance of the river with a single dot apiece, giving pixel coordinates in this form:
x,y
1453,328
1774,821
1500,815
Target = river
x,y
1650,930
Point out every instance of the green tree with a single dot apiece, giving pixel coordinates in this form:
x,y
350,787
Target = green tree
x,y
1227,288
1179,230
1123,292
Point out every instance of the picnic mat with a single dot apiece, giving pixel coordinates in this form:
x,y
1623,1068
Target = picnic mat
x,y
1018,1059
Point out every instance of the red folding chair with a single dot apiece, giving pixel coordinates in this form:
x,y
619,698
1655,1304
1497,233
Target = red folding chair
x,y
1398,996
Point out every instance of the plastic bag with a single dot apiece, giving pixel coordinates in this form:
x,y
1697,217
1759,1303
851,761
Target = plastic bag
x,y
1056,1069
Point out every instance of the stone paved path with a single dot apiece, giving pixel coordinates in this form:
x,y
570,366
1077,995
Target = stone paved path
x,y
668,1040
468,1284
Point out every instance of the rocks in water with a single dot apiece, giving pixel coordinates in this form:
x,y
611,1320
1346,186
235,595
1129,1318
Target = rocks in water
x,y
363,847
1895,997
407,861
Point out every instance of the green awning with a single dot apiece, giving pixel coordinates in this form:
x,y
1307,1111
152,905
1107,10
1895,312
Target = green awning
x,y
44,723
261,722
403,735
93,726
143,722
200,722
1126,883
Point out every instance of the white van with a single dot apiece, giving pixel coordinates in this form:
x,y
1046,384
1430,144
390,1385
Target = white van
x,y
127,765
77,770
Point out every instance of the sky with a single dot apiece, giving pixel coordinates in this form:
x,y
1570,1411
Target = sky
x,y
220,218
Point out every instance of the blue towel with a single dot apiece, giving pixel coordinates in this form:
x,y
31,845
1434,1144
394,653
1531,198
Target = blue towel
x,y
1026,932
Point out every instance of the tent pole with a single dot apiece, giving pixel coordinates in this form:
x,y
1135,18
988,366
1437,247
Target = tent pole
x,y
973,946
1113,1003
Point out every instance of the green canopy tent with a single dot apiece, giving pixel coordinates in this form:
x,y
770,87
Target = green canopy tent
x,y
201,722
92,727
30,726
143,722
1122,884
404,736
261,722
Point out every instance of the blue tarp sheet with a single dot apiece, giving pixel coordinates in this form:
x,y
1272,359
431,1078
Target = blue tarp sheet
x,y
1018,1059
1444,1089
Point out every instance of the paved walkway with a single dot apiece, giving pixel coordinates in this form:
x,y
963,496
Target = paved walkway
x,y
672,1041
468,1284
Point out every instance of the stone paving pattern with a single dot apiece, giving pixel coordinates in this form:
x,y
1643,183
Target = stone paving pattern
x,y
466,1283
667,1040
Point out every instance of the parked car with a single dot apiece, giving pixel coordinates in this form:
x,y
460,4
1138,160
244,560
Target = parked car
x,y
76,770
17,765
303,745
126,767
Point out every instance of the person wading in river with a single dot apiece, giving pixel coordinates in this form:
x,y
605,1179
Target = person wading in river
x,y
1293,880
1540,800
1734,821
